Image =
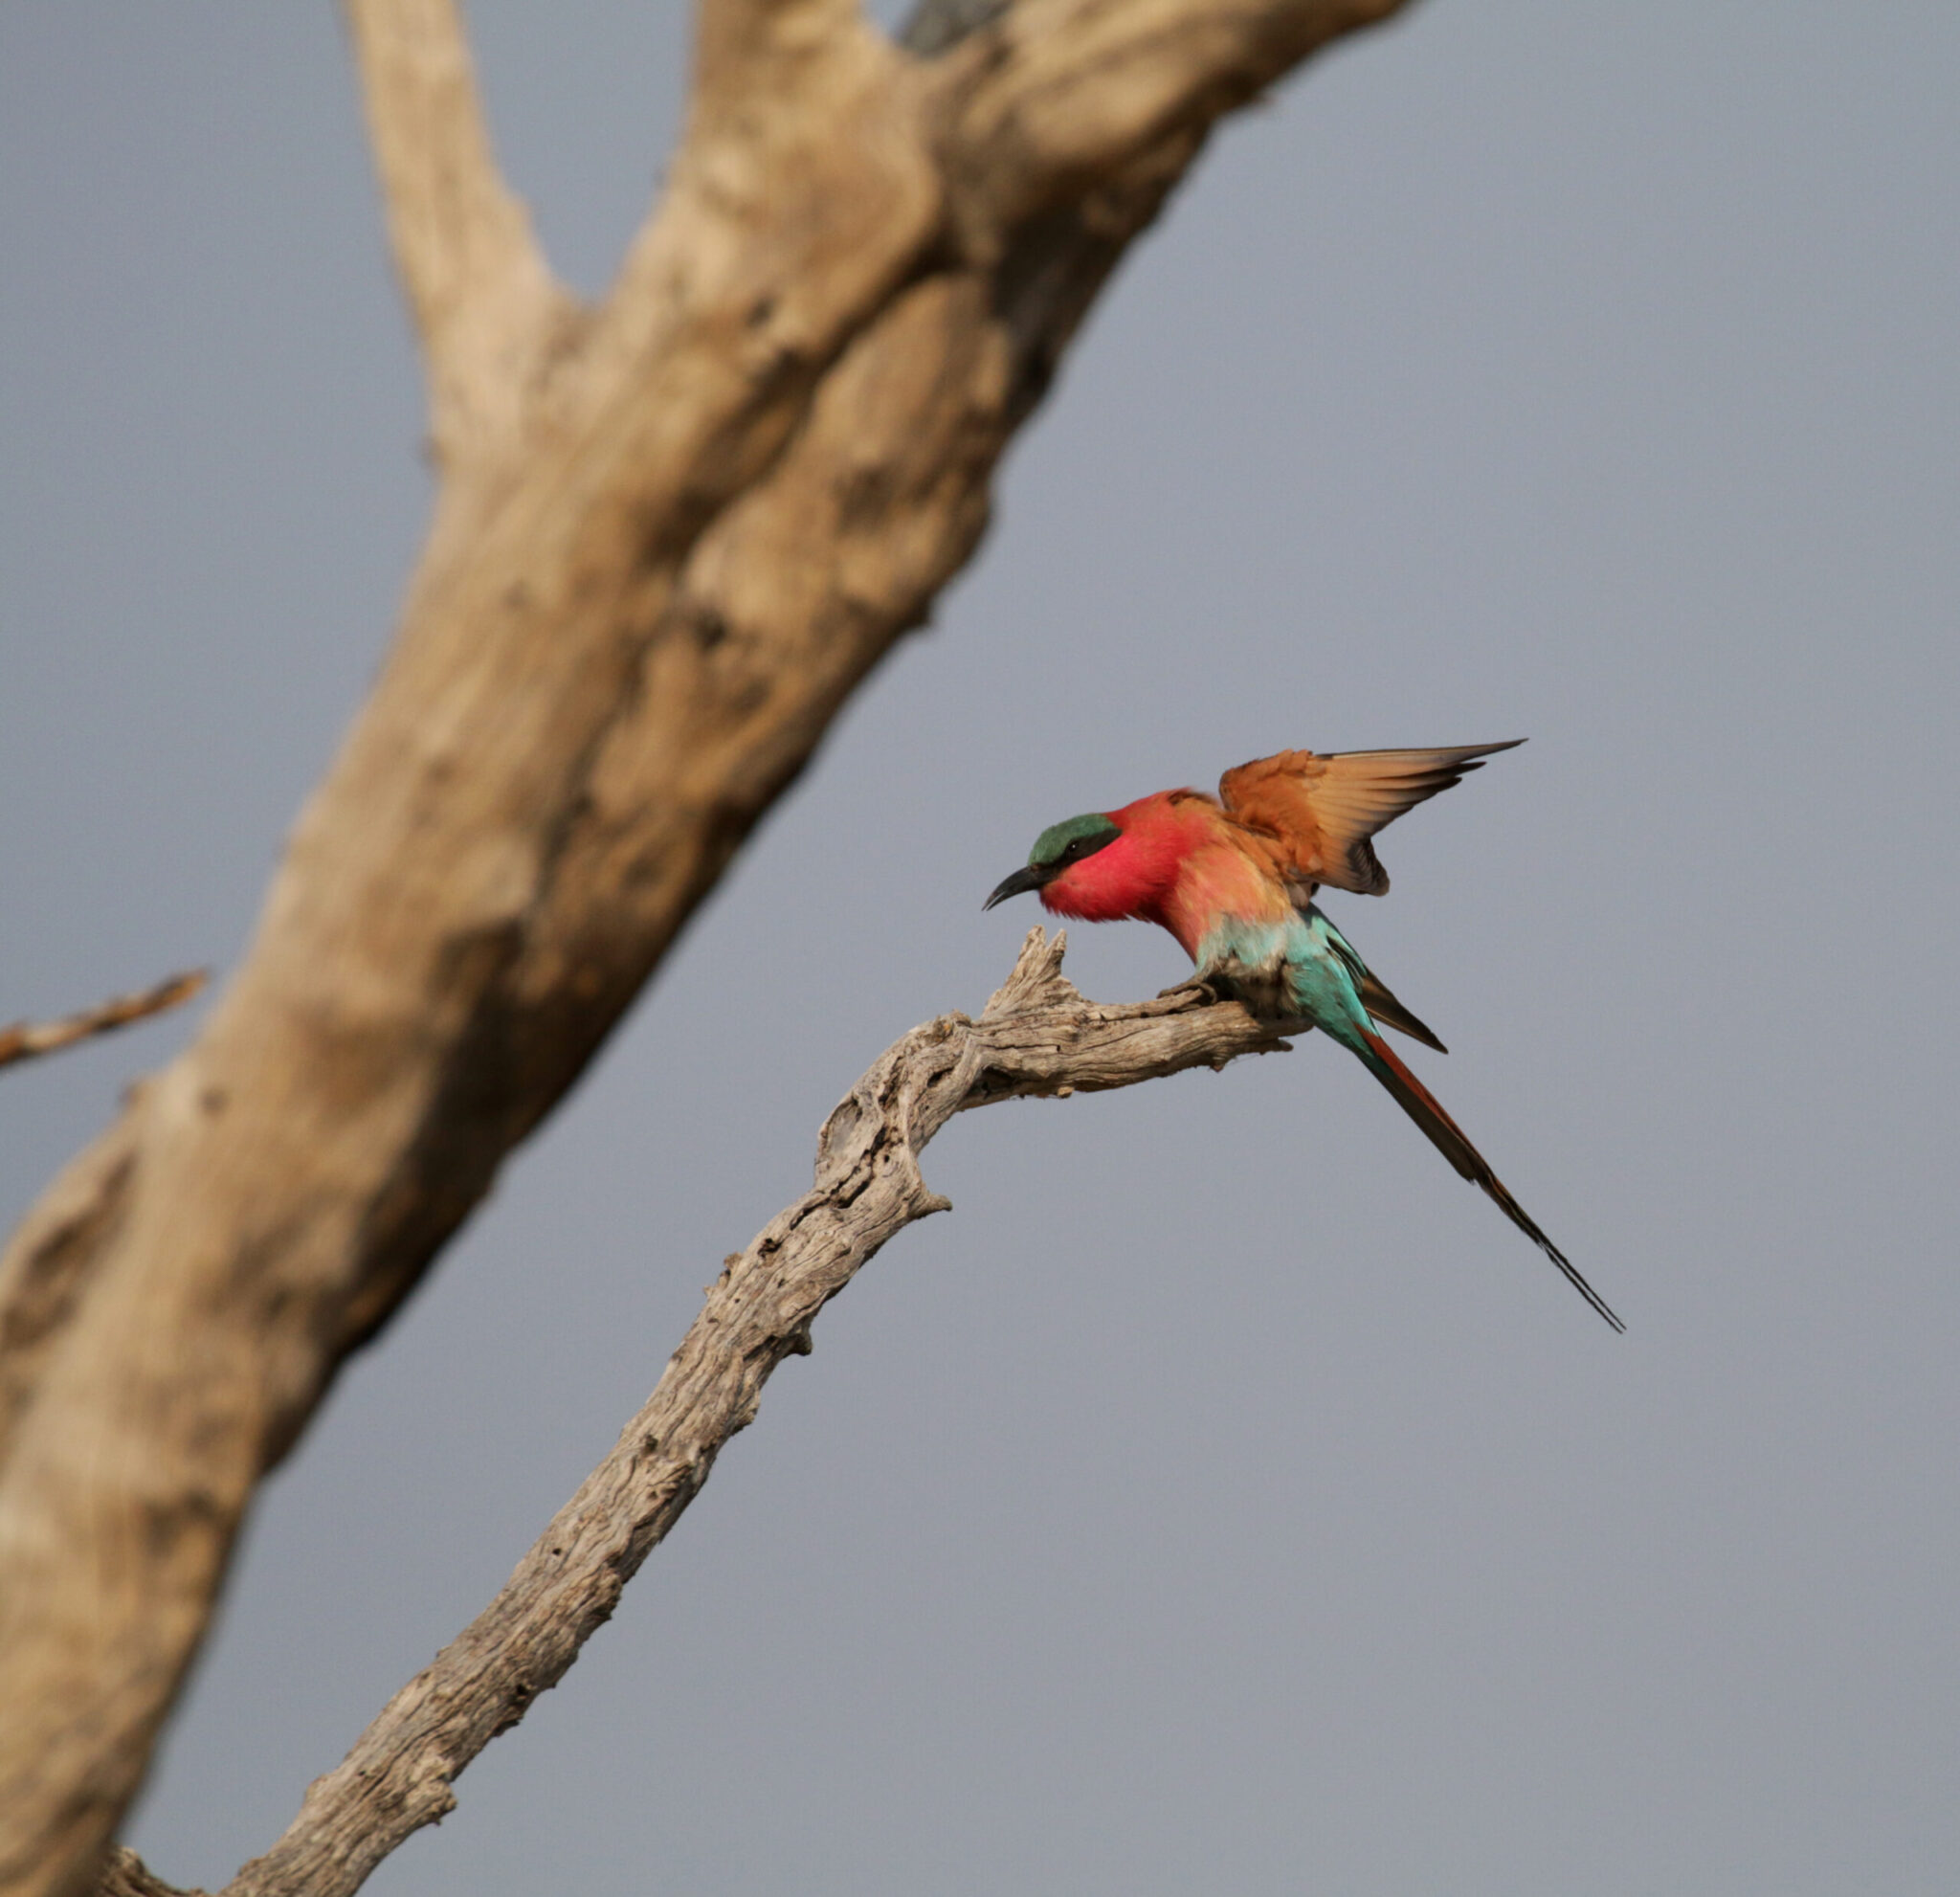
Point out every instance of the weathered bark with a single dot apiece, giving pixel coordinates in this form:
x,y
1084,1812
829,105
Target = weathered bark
x,y
123,1874
1037,1036
672,532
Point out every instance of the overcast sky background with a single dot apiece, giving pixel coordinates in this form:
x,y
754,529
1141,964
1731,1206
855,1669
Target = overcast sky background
x,y
1224,1497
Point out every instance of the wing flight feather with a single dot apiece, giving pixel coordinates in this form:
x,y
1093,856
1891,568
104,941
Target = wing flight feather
x,y
1320,813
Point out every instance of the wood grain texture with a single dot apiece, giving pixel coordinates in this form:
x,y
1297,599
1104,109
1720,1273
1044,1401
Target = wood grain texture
x,y
672,532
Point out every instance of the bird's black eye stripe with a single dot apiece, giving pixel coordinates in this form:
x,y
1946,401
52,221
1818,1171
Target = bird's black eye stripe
x,y
1072,852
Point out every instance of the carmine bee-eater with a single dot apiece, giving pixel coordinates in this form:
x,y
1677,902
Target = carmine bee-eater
x,y
1232,878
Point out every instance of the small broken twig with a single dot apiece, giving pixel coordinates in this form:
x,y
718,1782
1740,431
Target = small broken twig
x,y
24,1040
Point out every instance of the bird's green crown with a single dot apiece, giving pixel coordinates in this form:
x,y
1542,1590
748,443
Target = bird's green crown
x,y
1070,840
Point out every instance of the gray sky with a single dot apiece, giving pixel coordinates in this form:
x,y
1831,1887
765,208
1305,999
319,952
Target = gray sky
x,y
1224,1497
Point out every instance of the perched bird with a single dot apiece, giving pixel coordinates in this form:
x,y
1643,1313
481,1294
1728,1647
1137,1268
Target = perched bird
x,y
1232,878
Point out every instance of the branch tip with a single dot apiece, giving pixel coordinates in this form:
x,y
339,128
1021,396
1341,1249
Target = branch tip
x,y
484,299
25,1040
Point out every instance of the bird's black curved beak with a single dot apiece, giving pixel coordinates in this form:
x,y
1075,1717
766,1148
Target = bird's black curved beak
x,y
1023,880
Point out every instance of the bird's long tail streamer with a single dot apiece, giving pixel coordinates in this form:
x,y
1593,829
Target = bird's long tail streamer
x,y
1450,1140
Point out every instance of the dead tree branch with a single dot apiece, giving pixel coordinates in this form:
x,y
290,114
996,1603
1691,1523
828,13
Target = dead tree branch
x,y
671,535
1037,1036
485,300
26,1041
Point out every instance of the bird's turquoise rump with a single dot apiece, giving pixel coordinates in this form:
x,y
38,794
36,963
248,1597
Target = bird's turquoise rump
x,y
1321,973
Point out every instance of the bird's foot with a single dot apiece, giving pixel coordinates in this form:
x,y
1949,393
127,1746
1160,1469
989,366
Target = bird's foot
x,y
1204,992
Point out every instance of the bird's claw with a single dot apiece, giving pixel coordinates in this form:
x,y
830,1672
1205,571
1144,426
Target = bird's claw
x,y
1195,985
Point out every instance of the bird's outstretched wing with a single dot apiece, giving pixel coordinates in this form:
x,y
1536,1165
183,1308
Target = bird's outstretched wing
x,y
1321,811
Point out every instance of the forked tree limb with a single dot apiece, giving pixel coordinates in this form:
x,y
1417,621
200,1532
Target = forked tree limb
x,y
672,533
1037,1037
27,1040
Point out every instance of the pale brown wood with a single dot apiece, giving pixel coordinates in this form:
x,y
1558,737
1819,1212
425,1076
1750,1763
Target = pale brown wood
x,y
670,534
123,1874
484,299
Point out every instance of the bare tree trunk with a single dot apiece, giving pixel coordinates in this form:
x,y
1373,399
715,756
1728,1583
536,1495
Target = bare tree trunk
x,y
672,533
